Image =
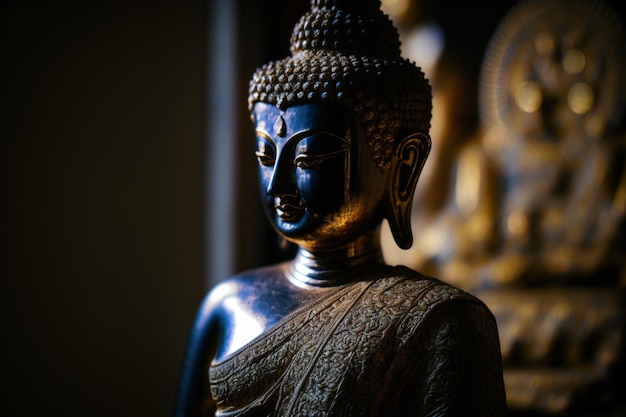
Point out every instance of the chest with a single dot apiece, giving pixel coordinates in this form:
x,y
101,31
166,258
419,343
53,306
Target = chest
x,y
327,354
249,313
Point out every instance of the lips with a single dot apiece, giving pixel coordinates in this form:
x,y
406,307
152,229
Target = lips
x,y
288,209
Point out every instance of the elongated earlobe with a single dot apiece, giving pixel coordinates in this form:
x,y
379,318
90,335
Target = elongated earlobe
x,y
409,159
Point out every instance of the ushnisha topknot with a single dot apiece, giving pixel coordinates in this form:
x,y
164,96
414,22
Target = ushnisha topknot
x,y
350,27
349,51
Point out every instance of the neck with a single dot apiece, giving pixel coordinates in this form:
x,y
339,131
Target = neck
x,y
340,265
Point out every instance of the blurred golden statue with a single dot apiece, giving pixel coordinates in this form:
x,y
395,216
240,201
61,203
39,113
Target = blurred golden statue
x,y
535,222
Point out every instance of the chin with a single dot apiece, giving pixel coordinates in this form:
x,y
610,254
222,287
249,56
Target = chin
x,y
308,233
295,231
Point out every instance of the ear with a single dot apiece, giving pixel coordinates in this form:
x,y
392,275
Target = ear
x,y
408,161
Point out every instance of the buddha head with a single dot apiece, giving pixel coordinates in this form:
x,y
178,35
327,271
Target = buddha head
x,y
341,128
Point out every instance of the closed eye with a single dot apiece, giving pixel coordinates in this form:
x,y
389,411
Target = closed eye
x,y
264,159
306,161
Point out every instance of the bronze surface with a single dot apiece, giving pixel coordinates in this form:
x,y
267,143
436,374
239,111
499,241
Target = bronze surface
x,y
341,138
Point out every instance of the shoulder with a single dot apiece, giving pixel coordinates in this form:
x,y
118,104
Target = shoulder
x,y
443,313
411,282
241,285
433,297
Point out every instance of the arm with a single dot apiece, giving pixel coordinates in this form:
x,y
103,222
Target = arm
x,y
193,398
462,362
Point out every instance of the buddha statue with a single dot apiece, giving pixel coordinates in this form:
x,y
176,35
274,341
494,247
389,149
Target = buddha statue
x,y
341,137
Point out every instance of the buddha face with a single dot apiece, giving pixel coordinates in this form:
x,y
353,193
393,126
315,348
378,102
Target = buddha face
x,y
319,184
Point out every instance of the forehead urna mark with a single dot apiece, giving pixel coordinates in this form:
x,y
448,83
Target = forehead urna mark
x,y
280,127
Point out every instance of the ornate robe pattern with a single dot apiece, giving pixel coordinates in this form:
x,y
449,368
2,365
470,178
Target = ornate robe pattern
x,y
392,346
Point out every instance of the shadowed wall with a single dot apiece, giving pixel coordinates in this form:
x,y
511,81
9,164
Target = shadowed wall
x,y
102,147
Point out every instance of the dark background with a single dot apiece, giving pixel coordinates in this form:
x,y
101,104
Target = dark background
x,y
102,136
103,144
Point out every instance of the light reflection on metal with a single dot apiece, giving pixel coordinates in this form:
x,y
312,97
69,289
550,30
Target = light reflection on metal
x,y
424,44
517,223
245,324
580,98
467,193
396,8
528,96
574,61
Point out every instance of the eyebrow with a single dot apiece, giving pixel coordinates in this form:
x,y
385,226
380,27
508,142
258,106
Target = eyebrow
x,y
264,134
305,133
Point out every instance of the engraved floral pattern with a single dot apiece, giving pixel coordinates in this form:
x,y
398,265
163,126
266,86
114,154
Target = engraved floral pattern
x,y
356,351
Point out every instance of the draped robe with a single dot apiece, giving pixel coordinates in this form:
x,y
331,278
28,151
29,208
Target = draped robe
x,y
395,346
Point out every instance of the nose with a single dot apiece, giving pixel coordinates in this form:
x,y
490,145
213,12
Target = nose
x,y
282,182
